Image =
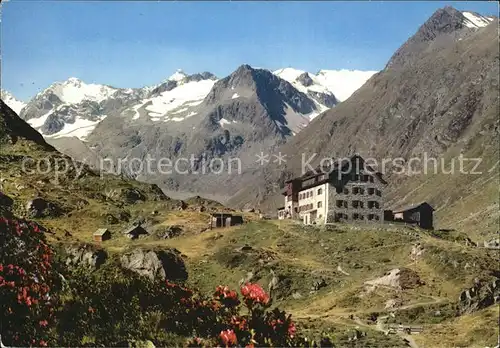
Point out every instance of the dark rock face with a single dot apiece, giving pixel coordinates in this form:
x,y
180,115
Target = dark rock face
x,y
328,100
5,201
202,76
132,195
305,79
40,105
85,255
164,87
163,264
40,207
481,295
52,125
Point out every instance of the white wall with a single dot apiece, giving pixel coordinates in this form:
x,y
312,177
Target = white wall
x,y
313,199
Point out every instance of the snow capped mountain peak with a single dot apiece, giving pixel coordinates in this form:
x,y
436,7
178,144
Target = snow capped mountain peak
x,y
475,20
12,102
73,81
178,75
341,83
74,90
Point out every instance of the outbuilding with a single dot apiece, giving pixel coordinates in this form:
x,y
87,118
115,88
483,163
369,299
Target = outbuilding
x,y
102,235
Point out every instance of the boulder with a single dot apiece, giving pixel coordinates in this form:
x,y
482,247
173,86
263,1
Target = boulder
x,y
481,295
167,232
40,207
132,195
492,244
318,284
84,255
155,264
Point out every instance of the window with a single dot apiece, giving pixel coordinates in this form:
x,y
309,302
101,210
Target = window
x,y
340,216
377,217
373,204
371,216
320,204
361,191
379,193
356,177
355,216
339,204
371,190
346,191
370,178
320,191
357,204
355,190
364,178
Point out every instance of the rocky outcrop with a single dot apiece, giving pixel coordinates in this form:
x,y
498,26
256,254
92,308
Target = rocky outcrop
x,y
132,195
481,295
5,201
492,244
155,264
85,255
167,232
40,207
398,278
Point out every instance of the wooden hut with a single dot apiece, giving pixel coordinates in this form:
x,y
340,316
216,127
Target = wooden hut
x,y
101,235
420,214
135,231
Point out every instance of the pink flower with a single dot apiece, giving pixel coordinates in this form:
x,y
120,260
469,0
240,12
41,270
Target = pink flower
x,y
228,337
255,293
43,323
291,329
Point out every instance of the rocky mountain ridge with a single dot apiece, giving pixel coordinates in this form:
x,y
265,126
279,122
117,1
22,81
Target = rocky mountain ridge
x,y
73,108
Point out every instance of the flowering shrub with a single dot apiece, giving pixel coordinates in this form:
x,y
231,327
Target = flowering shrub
x,y
27,282
113,307
258,327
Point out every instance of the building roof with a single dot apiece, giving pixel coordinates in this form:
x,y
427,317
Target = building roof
x,y
221,214
413,207
333,166
100,231
132,229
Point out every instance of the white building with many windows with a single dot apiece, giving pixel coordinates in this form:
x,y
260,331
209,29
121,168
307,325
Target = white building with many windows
x,y
349,191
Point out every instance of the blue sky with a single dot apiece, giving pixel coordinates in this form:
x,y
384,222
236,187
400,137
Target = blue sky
x,y
132,44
